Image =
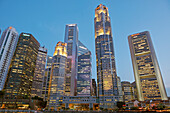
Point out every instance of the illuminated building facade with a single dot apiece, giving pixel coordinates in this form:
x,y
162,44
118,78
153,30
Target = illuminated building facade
x,y
84,71
135,90
148,78
105,59
119,89
94,88
128,91
71,38
22,68
47,78
37,85
8,44
58,75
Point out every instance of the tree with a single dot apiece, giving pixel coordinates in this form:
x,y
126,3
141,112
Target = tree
x,y
120,104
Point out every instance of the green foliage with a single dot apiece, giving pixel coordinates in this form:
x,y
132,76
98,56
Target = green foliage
x,y
120,104
161,106
134,108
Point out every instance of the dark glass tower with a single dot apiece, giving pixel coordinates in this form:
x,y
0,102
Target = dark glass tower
x,y
21,71
105,59
84,71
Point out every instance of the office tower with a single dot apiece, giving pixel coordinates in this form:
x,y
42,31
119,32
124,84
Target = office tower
x,y
47,78
37,85
8,44
58,75
84,71
105,59
128,91
119,88
133,84
94,88
49,61
148,78
21,71
71,38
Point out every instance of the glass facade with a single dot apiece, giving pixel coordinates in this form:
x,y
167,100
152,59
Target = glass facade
x,y
71,38
105,59
148,77
57,83
37,85
84,71
8,43
94,88
22,68
128,91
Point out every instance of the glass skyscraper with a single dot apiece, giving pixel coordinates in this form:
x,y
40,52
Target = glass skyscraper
x,y
58,75
71,38
84,71
21,71
8,43
105,59
47,78
148,78
37,85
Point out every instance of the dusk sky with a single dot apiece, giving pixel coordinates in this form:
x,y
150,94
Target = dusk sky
x,y
46,20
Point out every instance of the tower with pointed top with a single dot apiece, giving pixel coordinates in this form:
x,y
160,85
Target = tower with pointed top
x,y
105,58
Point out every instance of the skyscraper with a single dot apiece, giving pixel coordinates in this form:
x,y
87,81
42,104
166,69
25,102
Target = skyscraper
x,y
47,78
71,38
119,88
105,59
21,71
8,44
94,88
128,91
37,85
148,78
84,71
58,75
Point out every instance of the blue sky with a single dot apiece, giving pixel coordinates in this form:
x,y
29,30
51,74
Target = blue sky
x,y
46,20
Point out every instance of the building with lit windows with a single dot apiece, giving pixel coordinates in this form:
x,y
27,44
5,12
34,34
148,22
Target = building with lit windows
x,y
71,38
8,43
47,76
37,85
148,78
21,71
120,89
128,91
58,76
94,88
84,71
135,90
105,58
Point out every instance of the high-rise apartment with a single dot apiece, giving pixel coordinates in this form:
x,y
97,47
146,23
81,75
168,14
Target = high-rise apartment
x,y
37,85
71,38
84,71
58,75
8,44
148,78
22,68
105,58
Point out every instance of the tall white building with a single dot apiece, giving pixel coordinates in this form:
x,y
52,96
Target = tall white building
x,y
8,44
